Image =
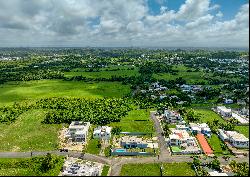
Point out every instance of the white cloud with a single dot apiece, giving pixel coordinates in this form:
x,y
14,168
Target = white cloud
x,y
119,23
219,14
193,9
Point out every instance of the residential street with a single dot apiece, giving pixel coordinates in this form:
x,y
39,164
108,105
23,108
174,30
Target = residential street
x,y
161,139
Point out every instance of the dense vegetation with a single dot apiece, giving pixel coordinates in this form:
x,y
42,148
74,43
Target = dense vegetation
x,y
96,111
36,166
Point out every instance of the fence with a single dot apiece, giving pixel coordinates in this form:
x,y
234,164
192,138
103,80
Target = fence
x,y
125,153
135,133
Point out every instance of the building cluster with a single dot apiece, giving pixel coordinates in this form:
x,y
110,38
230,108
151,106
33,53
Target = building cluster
x,y
77,133
224,112
77,167
191,88
154,87
234,138
171,116
241,115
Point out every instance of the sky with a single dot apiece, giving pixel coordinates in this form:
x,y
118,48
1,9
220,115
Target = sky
x,y
124,23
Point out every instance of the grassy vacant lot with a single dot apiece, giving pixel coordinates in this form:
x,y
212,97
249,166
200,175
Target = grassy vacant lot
x,y
102,73
105,170
153,169
215,144
16,91
178,169
208,115
190,77
136,121
27,133
9,171
140,170
243,129
92,147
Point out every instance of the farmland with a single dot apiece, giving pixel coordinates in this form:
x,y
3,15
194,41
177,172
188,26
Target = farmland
x,y
17,91
123,71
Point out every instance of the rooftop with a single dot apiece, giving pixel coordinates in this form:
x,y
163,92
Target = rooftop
x,y
79,124
224,109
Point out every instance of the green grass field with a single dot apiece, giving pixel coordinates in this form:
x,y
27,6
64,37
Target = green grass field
x,y
178,169
140,170
190,77
92,147
17,91
243,129
208,115
153,169
214,141
136,121
9,171
102,73
27,133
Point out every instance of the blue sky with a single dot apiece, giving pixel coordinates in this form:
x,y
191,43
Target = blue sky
x,y
228,7
122,23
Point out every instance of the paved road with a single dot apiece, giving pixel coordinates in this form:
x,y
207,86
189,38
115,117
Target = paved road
x,y
161,139
117,162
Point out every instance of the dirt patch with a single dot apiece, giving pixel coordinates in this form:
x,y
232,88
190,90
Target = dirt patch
x,y
64,143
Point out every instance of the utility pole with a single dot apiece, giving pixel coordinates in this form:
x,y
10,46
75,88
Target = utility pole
x,y
161,169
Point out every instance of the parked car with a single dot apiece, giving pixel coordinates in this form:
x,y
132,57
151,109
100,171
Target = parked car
x,y
64,150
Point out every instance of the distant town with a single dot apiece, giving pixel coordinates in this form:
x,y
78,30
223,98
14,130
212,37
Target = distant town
x,y
124,111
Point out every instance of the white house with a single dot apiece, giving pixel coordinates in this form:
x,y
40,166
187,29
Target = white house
x,y
236,139
225,112
103,132
200,128
182,127
78,131
182,139
186,88
133,142
172,116
228,101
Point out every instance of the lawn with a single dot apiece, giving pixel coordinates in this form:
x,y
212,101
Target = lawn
x,y
178,169
7,170
136,121
207,115
105,170
140,170
30,90
92,147
28,133
243,129
153,169
214,141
